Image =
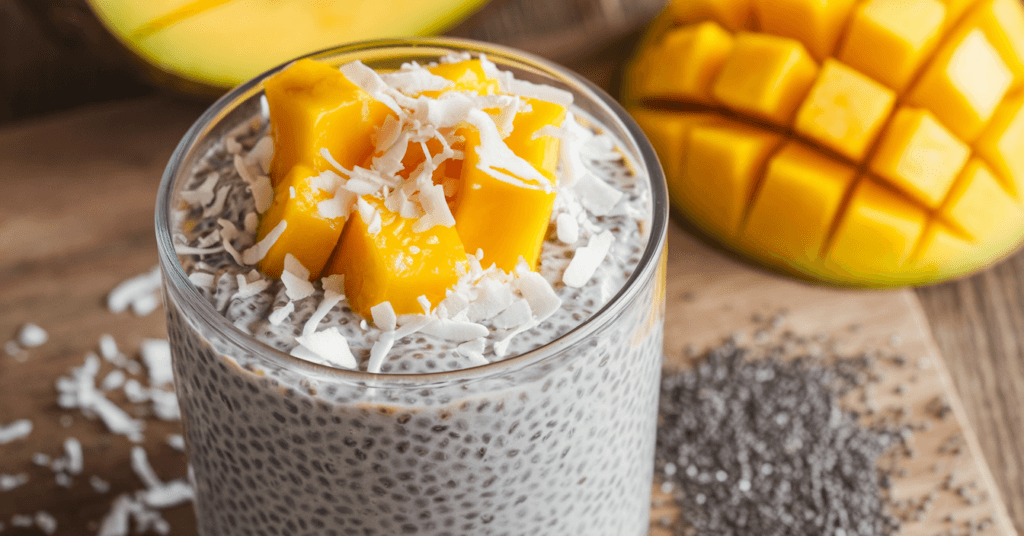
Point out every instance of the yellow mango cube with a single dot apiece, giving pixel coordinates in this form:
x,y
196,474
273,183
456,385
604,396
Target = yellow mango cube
x,y
918,156
877,233
541,151
668,131
979,205
1002,142
467,75
384,259
683,64
504,219
308,236
889,39
793,209
765,76
943,251
723,162
733,14
815,23
964,84
845,110
1002,22
313,107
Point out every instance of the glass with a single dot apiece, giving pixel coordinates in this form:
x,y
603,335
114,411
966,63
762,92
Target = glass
x,y
558,440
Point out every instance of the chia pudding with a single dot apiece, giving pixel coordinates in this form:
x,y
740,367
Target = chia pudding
x,y
542,427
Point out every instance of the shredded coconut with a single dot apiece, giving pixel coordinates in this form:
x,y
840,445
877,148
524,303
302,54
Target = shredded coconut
x,y
31,336
326,347
46,522
10,482
296,279
73,452
203,194
18,429
596,195
138,288
280,314
384,316
568,228
586,260
156,354
256,253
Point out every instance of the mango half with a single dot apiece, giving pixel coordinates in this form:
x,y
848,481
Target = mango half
x,y
222,43
873,143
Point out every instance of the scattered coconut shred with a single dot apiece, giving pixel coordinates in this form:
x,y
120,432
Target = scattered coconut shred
x,y
488,307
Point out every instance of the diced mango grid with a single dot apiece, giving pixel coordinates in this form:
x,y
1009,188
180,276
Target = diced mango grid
x,y
918,105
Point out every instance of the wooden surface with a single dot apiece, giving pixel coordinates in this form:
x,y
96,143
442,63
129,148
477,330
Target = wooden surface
x,y
76,218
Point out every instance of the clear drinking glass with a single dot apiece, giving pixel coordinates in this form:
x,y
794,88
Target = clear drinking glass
x,y
557,441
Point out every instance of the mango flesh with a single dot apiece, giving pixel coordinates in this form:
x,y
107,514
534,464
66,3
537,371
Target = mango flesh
x,y
395,263
222,43
874,143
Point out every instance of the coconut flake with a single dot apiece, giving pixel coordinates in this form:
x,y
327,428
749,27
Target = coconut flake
x,y
202,280
232,146
516,315
456,331
143,470
182,249
143,305
542,92
113,380
73,453
31,336
46,522
538,293
492,298
134,392
217,206
156,354
568,228
380,350
248,289
332,296
412,82
436,208
586,260
98,484
165,405
10,482
384,316
202,195
501,346
115,523
334,163
327,347
133,289
295,277
263,193
256,253
176,442
281,313
597,196
496,158
18,429
262,154
474,350
228,232
339,206
169,495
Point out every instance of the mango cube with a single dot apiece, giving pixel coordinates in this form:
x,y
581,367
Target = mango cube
x,y
504,219
308,235
1002,142
668,131
467,75
683,64
903,32
313,107
733,14
845,110
383,259
815,23
943,251
1002,22
964,84
918,156
877,233
793,209
723,162
541,151
978,204
765,76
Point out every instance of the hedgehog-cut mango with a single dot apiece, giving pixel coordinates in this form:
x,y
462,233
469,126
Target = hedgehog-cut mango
x,y
876,143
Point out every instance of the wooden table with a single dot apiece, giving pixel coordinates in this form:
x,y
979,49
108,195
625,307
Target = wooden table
x,y
53,232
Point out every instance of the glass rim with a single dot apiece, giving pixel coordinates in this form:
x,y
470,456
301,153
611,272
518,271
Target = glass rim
x,y
176,281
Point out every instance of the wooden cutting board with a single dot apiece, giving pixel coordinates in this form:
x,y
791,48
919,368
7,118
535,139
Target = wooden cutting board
x,y
711,296
76,219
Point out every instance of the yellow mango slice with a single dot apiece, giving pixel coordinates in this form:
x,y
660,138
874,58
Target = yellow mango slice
x,y
845,110
979,205
683,64
733,14
964,84
308,236
793,209
876,234
903,32
313,107
815,23
765,76
467,75
506,220
383,259
541,151
723,163
919,156
1002,142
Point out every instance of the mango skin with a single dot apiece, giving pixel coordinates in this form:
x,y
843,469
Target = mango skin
x,y
901,162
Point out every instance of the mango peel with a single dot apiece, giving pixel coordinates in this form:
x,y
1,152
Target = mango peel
x,y
873,143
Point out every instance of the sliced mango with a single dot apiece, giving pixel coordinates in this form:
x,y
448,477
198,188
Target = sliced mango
x,y
964,84
815,23
733,14
313,107
876,234
683,64
723,162
308,236
1002,142
765,76
541,151
467,75
383,259
845,110
943,252
978,204
793,210
919,156
903,32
